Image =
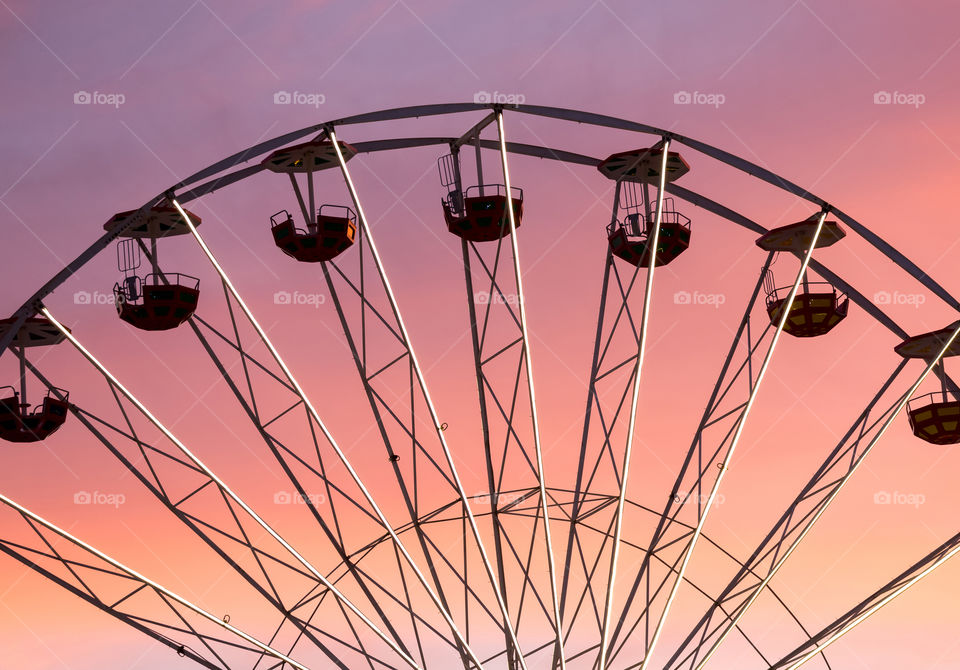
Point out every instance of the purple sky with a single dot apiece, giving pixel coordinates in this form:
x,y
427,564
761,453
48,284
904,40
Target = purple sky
x,y
178,85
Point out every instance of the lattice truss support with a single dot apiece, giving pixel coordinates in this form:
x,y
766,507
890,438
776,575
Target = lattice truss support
x,y
725,417
277,409
212,511
132,598
365,607
652,590
508,414
816,645
801,515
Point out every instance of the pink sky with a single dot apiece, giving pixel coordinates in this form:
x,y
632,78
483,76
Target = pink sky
x,y
797,81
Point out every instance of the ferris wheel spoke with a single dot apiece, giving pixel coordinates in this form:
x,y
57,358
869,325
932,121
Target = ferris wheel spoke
x,y
502,363
425,394
478,336
207,531
704,510
316,420
581,464
155,485
379,406
104,566
559,656
653,246
273,442
823,489
288,458
753,578
869,606
689,485
394,430
223,489
617,329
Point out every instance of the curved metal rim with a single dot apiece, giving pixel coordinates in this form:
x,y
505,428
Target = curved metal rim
x,y
527,494
210,179
31,306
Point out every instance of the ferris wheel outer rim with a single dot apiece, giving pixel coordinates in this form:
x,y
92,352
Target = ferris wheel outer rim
x,y
32,305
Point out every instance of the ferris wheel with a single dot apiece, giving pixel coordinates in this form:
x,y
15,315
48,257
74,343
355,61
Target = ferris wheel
x,y
405,563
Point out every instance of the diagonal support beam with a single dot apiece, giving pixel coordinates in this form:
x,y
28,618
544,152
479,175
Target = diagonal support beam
x,y
227,491
329,437
741,423
528,364
145,582
421,382
873,604
652,245
816,489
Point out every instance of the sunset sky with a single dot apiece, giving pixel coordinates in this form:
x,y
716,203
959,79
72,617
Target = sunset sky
x,y
107,104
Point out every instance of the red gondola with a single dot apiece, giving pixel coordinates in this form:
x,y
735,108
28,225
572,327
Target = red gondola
x,y
156,301
813,313
149,303
935,418
18,422
482,215
629,239
816,311
334,232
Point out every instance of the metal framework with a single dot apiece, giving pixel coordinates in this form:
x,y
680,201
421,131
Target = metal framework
x,y
528,574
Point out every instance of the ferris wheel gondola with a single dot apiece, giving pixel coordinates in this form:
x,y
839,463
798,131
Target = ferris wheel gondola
x,y
529,572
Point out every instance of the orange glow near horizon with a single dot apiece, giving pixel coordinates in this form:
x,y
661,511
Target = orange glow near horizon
x,y
811,91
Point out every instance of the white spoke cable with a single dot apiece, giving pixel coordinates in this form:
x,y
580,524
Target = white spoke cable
x,y
916,578
223,486
421,381
741,422
873,609
329,437
548,540
729,627
152,584
652,245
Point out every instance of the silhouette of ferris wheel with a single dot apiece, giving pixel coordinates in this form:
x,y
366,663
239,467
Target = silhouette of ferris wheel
x,y
416,569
